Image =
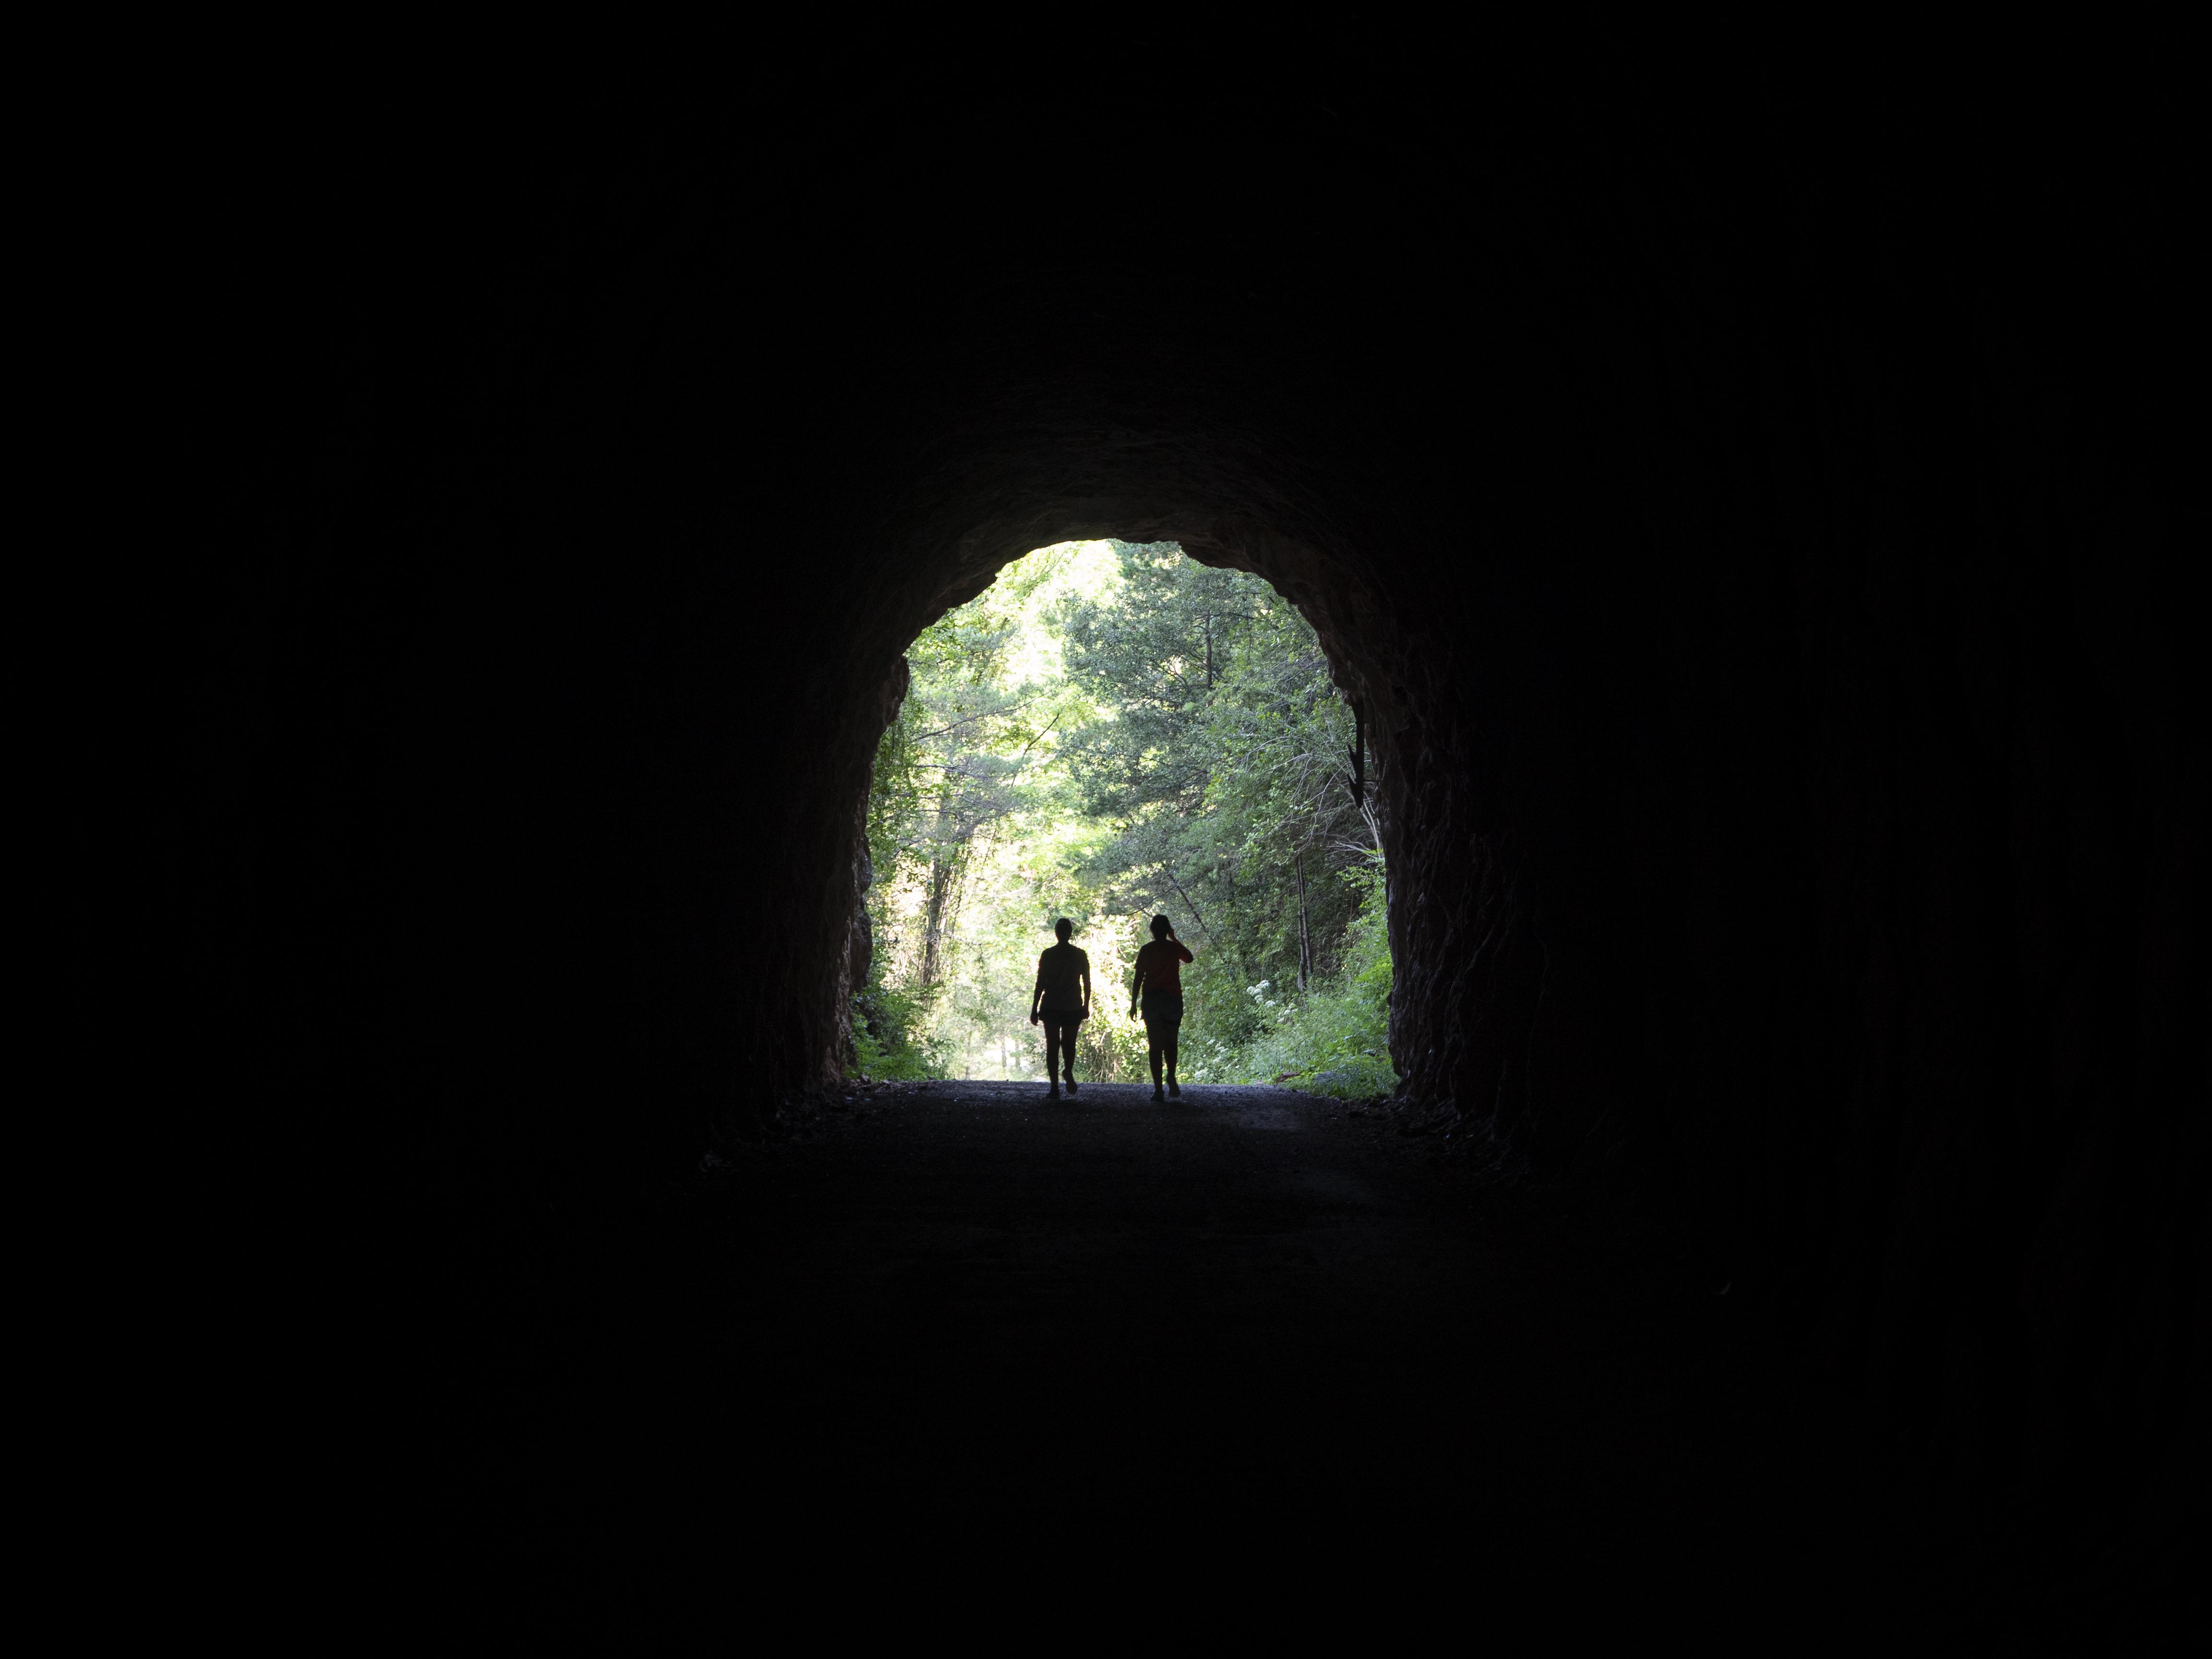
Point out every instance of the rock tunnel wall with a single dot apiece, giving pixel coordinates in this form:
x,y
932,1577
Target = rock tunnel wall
x,y
1750,531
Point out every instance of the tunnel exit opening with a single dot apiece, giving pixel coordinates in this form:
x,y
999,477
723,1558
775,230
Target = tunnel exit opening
x,y
1112,732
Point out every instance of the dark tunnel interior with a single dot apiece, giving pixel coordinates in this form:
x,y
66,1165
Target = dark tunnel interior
x,y
1747,502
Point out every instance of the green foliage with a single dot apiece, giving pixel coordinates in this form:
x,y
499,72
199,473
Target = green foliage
x,y
1112,730
1336,1040
1221,775
968,835
890,1032
1110,1049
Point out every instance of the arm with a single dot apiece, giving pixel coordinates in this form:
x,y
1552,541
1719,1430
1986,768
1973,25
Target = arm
x,y
1036,992
1136,985
1086,987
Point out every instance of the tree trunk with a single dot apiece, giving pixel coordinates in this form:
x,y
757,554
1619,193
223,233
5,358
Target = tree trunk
x,y
1305,934
946,859
932,926
1205,933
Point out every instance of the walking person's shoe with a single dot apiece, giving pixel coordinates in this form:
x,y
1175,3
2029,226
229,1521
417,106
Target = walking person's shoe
x,y
1159,1093
1054,1094
1070,1085
1175,1091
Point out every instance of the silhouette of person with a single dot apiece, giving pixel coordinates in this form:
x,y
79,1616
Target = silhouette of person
x,y
1062,1001
1158,984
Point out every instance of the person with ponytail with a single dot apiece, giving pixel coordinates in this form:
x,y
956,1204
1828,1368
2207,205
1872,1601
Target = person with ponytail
x,y
1158,989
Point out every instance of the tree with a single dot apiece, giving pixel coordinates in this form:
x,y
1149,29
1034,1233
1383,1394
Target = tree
x,y
1115,729
1223,770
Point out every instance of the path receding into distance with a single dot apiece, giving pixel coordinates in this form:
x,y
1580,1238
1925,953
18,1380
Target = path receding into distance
x,y
963,1310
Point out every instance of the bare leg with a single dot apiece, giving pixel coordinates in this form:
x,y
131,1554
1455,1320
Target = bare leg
x,y
1172,1047
1155,1057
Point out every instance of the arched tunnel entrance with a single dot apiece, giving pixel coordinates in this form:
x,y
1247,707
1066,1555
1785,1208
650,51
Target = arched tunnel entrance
x,y
1755,573
1468,916
1225,678
1117,737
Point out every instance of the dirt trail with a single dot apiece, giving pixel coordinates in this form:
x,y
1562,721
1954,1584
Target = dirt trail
x,y
962,1306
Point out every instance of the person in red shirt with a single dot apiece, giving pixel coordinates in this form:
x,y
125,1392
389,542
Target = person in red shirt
x,y
1158,987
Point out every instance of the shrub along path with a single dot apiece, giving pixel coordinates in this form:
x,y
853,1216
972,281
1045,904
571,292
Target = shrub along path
x,y
1249,1320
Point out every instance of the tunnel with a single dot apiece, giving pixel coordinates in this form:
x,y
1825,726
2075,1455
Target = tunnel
x,y
1743,499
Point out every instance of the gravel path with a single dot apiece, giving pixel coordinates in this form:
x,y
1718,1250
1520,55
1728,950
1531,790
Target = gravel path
x,y
964,1310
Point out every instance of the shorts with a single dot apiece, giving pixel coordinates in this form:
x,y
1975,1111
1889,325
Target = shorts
x,y
1163,1013
1061,1021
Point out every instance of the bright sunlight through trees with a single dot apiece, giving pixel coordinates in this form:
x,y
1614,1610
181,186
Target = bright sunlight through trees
x,y
1112,730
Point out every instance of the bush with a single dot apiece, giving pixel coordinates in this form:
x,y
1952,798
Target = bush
x,y
1110,1050
1336,1040
886,1035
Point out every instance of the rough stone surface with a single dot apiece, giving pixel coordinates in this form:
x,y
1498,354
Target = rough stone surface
x,y
1749,511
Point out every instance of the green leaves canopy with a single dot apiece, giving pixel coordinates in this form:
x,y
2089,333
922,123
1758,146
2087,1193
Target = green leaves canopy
x,y
1112,730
